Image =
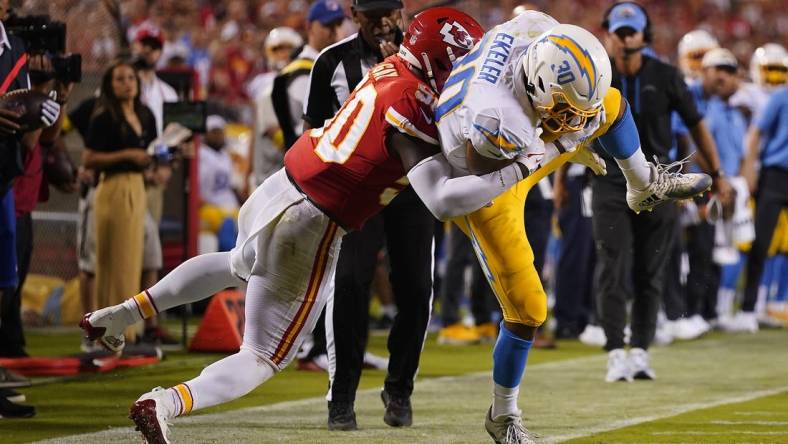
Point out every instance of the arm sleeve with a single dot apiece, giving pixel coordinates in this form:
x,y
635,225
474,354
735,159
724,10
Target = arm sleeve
x,y
767,120
682,101
500,133
413,117
320,97
621,140
98,137
447,196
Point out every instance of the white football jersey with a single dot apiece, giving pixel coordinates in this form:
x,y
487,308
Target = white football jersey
x,y
478,102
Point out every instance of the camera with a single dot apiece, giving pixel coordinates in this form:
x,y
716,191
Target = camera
x,y
68,69
190,114
45,36
40,33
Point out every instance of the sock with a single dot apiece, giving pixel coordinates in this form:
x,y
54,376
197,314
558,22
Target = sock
x,y
636,170
504,401
193,280
509,358
223,381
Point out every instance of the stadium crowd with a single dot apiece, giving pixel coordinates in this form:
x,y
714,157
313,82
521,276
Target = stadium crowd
x,y
722,254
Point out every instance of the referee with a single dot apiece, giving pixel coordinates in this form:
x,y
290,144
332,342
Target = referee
x,y
653,90
406,225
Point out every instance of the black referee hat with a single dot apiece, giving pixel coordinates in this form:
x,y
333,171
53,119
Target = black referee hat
x,y
370,5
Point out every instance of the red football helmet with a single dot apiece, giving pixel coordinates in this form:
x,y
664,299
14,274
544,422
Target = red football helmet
x,y
436,38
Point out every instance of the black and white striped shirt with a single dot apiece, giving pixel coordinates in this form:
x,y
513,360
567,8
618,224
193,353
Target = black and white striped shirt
x,y
336,72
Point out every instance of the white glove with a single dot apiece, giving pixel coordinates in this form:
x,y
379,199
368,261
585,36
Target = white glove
x,y
50,110
570,141
586,156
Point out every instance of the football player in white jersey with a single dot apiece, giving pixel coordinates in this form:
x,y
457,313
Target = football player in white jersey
x,y
768,71
692,47
535,86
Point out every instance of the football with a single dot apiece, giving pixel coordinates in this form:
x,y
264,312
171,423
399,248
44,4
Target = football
x,y
27,103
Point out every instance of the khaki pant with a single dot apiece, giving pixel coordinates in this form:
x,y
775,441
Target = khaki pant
x,y
120,214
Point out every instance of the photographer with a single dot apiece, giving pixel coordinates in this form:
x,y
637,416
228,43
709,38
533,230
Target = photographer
x,y
32,186
120,130
14,147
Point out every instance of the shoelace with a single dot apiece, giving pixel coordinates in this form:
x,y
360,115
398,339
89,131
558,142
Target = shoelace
x,y
669,175
516,432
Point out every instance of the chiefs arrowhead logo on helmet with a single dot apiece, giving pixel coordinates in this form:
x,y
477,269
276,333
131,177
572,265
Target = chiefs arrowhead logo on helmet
x,y
454,34
435,39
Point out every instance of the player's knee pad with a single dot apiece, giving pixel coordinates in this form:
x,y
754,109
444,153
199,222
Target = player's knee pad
x,y
526,307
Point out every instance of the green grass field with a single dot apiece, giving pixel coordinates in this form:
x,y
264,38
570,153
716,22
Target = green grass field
x,y
723,388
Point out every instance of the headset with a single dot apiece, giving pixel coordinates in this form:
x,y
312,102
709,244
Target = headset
x,y
647,36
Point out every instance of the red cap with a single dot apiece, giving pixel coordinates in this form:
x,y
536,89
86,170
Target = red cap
x,y
150,34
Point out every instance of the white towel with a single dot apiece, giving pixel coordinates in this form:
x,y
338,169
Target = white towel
x,y
736,230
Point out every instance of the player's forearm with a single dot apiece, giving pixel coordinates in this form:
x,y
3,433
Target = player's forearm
x,y
448,196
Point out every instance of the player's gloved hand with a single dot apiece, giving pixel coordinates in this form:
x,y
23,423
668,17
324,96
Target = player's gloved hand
x,y
50,110
586,156
532,157
570,141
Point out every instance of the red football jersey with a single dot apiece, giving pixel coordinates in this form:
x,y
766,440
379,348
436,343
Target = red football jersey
x,y
345,167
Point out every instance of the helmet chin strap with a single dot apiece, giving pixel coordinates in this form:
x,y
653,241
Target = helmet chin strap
x,y
428,70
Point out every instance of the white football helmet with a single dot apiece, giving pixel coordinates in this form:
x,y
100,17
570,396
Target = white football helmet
x,y
769,65
692,47
566,74
283,36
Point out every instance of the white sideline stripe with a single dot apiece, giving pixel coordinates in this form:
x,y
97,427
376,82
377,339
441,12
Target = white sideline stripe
x,y
732,432
579,433
673,412
125,431
767,423
756,413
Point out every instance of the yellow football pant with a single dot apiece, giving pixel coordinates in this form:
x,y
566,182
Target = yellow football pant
x,y
497,233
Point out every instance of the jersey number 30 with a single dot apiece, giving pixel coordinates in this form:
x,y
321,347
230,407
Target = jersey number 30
x,y
342,135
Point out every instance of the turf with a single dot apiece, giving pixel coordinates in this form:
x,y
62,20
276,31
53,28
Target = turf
x,y
762,420
95,402
723,388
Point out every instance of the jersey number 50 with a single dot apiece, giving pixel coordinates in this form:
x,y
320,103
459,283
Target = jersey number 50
x,y
342,135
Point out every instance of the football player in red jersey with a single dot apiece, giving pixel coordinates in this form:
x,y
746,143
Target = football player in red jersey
x,y
290,229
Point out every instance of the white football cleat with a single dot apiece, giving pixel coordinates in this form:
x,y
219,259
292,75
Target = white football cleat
x,y
667,184
684,329
640,364
106,326
507,429
701,323
618,366
741,321
151,416
593,336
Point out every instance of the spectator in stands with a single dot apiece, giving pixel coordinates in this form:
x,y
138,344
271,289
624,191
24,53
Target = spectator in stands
x,y
120,130
14,147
